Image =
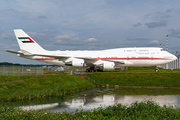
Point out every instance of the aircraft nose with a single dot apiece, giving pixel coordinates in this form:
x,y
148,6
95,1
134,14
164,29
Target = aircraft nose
x,y
174,57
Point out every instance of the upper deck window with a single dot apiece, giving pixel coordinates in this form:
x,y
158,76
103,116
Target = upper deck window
x,y
143,50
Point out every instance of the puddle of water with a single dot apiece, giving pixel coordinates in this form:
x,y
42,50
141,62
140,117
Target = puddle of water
x,y
96,97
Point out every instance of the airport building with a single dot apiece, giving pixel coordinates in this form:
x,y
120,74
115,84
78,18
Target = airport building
x,y
173,65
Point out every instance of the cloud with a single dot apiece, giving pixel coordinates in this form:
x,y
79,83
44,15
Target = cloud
x,y
67,42
35,34
175,32
154,42
63,37
91,40
137,25
42,17
156,24
137,39
8,36
58,41
168,10
7,11
166,16
7,47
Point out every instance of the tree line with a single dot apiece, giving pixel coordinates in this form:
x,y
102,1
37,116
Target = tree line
x,y
18,64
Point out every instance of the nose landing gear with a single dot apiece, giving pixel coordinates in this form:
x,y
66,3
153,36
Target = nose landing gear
x,y
157,70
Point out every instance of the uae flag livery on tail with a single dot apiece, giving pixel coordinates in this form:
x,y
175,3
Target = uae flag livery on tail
x,y
26,39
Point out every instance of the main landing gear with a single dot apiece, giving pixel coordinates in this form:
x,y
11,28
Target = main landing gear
x,y
92,69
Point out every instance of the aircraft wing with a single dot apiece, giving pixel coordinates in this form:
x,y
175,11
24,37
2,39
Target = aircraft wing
x,y
87,59
115,61
92,59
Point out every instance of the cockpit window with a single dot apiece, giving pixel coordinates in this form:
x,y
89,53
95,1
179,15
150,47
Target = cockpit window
x,y
162,49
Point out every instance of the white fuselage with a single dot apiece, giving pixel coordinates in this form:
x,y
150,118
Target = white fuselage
x,y
95,60
133,57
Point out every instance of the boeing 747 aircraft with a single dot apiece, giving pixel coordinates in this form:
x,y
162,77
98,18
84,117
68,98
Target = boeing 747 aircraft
x,y
95,60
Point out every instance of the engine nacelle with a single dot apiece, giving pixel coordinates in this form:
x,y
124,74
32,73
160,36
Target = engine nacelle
x,y
108,66
78,63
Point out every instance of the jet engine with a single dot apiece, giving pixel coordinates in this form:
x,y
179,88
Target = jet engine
x,y
78,63
108,66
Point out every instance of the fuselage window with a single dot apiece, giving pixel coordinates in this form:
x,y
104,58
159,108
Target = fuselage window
x,y
143,50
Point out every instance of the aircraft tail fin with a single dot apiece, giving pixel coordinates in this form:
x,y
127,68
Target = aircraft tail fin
x,y
26,42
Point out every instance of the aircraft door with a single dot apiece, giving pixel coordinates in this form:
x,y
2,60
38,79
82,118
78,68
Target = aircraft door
x,y
128,57
152,56
137,51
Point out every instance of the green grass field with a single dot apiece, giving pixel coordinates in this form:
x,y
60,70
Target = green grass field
x,y
39,86
166,79
21,87
143,69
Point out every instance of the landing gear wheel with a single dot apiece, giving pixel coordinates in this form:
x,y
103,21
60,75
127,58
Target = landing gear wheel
x,y
99,70
87,70
156,70
94,70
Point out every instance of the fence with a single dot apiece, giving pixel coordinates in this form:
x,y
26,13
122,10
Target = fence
x,y
20,70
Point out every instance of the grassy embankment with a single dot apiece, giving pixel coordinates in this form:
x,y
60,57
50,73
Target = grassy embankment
x,y
55,84
39,86
144,69
135,78
143,110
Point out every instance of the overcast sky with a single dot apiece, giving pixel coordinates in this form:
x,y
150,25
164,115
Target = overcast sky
x,y
89,24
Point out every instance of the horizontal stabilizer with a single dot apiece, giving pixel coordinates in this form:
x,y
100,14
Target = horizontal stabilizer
x,y
26,52
54,56
13,52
